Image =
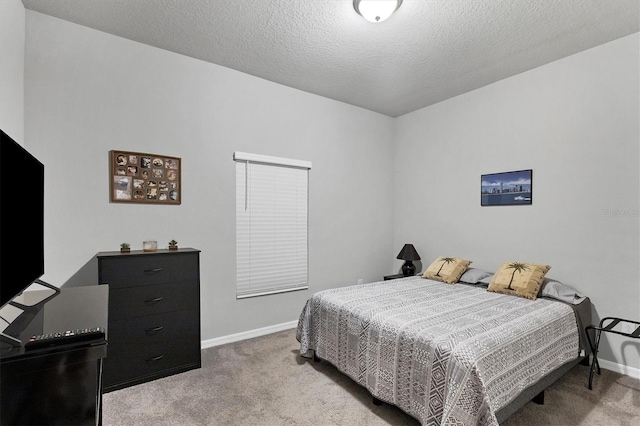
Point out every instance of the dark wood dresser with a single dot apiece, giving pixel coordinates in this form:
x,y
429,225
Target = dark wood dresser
x,y
154,314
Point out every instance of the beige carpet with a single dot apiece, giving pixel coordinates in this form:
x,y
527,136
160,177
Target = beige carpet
x,y
263,381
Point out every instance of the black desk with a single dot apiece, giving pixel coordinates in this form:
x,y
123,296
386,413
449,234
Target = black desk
x,y
62,384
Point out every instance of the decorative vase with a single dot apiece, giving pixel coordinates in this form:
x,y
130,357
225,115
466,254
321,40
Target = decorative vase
x,y
125,250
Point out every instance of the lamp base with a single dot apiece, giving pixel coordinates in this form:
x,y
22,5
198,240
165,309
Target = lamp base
x,y
408,269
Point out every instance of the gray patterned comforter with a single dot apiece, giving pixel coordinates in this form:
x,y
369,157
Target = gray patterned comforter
x,y
445,354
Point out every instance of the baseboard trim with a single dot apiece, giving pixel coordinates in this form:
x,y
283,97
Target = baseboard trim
x,y
247,334
620,368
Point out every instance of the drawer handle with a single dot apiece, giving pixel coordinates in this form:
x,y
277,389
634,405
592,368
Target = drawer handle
x,y
152,271
154,359
153,330
153,301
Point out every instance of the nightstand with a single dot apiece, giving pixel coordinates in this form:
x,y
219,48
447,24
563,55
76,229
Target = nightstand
x,y
393,277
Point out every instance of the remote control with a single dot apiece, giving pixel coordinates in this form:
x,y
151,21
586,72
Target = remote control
x,y
61,338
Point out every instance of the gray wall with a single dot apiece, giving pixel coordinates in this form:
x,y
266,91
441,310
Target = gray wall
x,y
12,25
575,123
88,92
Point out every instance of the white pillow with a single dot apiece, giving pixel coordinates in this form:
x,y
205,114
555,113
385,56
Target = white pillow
x,y
474,276
557,290
486,280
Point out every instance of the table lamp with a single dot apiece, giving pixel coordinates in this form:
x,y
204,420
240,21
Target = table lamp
x,y
408,254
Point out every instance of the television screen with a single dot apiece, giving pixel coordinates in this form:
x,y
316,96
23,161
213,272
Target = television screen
x,y
22,217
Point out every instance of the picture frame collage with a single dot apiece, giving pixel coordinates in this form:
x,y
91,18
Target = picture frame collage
x,y
137,177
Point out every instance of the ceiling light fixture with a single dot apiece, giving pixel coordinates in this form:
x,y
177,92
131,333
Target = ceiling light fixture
x,y
376,10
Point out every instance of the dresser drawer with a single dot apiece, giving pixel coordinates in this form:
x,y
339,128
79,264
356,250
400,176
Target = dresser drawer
x,y
128,364
135,302
148,269
156,328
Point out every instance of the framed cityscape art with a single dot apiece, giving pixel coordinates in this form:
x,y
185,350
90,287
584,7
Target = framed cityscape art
x,y
136,177
507,188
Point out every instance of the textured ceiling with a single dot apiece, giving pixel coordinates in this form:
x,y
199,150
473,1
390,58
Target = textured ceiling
x,y
428,51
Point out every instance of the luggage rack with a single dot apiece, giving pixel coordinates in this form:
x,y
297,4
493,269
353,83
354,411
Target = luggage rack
x,y
611,322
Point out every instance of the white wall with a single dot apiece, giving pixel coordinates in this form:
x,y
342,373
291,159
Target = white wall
x,y
88,92
12,27
575,123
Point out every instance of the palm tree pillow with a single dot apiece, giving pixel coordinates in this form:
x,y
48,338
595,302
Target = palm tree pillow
x,y
446,269
519,279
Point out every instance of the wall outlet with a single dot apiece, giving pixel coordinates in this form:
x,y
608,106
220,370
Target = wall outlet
x,y
360,281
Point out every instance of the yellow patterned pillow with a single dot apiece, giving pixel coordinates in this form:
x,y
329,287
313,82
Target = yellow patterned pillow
x,y
519,279
446,269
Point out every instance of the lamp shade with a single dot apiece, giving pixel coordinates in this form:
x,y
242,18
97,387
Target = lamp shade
x,y
408,252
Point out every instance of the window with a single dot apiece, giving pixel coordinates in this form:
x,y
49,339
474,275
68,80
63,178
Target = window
x,y
271,224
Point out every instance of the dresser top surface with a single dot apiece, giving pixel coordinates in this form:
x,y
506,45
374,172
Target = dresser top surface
x,y
145,253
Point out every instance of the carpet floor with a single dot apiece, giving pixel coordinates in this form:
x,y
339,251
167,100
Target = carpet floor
x,y
264,381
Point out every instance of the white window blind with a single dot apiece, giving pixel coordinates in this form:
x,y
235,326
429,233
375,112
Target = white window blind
x,y
271,224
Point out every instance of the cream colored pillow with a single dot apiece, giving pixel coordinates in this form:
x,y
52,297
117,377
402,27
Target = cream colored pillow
x,y
446,269
519,279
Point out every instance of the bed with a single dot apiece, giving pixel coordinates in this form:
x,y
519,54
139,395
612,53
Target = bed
x,y
445,354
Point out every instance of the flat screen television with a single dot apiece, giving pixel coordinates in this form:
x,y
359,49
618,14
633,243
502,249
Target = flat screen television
x,y
21,219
